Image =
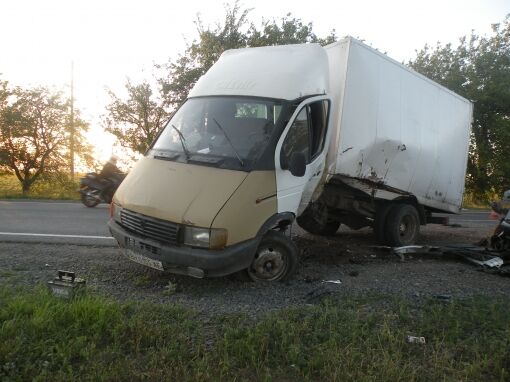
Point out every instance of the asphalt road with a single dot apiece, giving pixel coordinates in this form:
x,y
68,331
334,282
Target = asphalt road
x,y
73,223
54,222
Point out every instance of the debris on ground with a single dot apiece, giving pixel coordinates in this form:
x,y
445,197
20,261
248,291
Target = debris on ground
x,y
479,255
170,289
446,298
324,290
400,252
416,340
494,262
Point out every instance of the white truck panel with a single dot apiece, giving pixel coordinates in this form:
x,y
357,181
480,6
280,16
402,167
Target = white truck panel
x,y
397,128
337,61
284,72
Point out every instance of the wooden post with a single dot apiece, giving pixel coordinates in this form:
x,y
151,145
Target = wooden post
x,y
71,127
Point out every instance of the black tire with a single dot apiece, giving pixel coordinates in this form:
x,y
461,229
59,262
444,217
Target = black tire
x,y
402,225
89,201
276,258
380,222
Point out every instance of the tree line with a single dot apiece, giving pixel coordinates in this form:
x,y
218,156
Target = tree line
x,y
478,68
34,134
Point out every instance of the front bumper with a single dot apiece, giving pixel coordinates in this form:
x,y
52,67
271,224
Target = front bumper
x,y
187,260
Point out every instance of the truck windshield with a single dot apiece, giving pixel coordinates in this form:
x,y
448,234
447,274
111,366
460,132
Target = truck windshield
x,y
230,128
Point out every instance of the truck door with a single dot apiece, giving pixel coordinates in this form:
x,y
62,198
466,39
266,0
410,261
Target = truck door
x,y
305,134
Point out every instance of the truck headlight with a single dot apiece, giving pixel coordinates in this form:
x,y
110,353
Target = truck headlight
x,y
212,238
115,211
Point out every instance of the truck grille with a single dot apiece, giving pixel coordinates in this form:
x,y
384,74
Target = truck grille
x,y
152,228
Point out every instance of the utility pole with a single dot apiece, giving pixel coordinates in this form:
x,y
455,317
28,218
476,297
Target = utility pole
x,y
71,126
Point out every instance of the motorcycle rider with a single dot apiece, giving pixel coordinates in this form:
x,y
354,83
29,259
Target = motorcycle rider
x,y
110,173
501,213
110,168
100,187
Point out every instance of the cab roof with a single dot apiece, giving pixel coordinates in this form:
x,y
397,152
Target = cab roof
x,y
282,72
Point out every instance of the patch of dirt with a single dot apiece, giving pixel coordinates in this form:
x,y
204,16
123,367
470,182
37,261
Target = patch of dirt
x,y
349,261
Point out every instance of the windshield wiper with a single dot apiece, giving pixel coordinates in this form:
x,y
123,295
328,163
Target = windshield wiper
x,y
230,142
166,156
183,142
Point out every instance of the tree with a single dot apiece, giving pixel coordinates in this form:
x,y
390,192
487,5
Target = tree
x,y
34,133
235,32
289,31
479,69
135,121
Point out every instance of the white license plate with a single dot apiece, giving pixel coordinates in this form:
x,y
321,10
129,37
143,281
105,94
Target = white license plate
x,y
144,260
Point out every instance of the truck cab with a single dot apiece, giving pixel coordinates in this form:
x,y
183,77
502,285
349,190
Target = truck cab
x,y
231,170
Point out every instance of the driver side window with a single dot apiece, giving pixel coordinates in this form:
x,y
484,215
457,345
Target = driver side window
x,y
297,139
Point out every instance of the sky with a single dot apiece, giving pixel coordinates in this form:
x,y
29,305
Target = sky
x,y
110,41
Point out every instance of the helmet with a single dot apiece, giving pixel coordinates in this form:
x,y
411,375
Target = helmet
x,y
113,159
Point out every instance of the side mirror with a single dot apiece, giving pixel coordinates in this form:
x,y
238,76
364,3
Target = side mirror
x,y
297,165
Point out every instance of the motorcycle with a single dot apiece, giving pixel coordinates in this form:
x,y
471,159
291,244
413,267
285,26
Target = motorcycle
x,y
95,190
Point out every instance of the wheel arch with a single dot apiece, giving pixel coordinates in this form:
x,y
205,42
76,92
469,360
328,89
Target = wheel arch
x,y
410,199
278,221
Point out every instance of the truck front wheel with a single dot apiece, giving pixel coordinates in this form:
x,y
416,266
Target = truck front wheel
x,y
275,260
402,225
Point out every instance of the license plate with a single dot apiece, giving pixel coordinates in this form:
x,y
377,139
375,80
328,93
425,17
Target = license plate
x,y
144,260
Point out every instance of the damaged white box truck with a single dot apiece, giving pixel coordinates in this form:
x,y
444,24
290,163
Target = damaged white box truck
x,y
326,136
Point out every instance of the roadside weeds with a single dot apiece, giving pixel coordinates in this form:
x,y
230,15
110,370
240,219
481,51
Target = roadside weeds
x,y
92,337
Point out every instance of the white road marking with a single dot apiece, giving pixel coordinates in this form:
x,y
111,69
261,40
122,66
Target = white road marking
x,y
55,235
474,220
56,203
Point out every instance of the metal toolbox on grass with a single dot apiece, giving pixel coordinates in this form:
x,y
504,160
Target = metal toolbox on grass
x,y
66,285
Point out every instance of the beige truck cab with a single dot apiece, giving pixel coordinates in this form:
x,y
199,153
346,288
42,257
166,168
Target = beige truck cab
x,y
223,181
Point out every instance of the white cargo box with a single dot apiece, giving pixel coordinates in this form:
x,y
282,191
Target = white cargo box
x,y
395,131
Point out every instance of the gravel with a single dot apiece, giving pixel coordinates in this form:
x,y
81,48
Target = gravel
x,y
344,265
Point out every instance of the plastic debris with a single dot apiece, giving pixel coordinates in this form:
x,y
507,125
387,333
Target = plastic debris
x,y
416,340
495,262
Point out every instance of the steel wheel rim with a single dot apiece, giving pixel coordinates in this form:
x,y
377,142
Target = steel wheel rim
x,y
406,227
270,264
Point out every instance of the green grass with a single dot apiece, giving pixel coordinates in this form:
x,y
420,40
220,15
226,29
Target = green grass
x,y
10,188
92,338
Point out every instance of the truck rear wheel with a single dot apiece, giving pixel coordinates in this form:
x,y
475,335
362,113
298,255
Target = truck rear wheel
x,y
275,260
402,226
379,224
